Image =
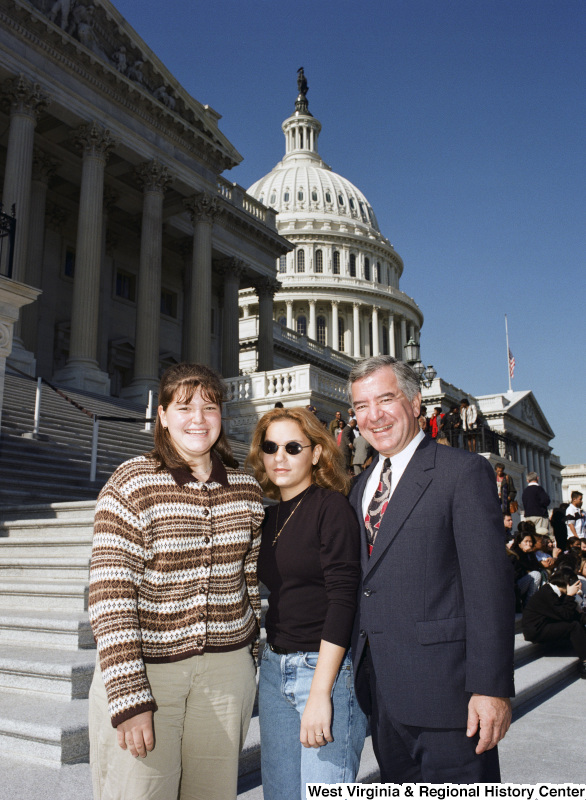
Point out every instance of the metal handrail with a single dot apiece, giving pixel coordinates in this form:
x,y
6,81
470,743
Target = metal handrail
x,y
95,417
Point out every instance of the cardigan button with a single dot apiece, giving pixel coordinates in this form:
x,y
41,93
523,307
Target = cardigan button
x,y
367,592
206,512
363,633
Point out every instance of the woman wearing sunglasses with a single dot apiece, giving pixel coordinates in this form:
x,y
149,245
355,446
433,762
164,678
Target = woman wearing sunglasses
x,y
312,729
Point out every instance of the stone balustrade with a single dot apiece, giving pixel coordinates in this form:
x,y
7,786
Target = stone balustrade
x,y
237,196
251,396
248,330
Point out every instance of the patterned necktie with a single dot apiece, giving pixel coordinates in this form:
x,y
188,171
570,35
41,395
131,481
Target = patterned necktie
x,y
378,505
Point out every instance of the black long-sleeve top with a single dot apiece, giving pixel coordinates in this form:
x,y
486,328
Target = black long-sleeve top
x,y
545,607
312,571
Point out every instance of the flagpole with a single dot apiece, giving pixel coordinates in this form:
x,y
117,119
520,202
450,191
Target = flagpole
x,y
508,352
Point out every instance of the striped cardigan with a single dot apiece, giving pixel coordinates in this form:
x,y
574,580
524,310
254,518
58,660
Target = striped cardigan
x,y
173,572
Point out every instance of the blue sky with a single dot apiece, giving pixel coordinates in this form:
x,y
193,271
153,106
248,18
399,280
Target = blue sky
x,y
464,124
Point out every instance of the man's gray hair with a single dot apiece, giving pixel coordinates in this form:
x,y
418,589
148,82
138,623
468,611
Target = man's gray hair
x,y
407,379
532,476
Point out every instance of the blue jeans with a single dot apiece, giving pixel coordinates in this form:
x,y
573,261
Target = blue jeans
x,y
287,766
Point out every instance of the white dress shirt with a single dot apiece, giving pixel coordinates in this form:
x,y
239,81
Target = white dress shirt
x,y
398,466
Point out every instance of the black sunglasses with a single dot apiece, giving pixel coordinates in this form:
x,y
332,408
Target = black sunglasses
x,y
292,448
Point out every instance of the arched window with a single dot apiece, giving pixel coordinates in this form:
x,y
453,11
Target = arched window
x,y
367,269
351,201
319,261
273,199
282,263
314,195
328,197
341,199
286,196
300,194
341,335
321,330
336,264
385,341
352,265
282,321
302,325
300,261
378,273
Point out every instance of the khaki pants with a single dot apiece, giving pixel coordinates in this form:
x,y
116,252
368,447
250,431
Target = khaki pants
x,y
542,525
204,709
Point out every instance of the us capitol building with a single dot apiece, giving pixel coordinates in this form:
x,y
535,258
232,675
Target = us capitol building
x,y
134,251
340,282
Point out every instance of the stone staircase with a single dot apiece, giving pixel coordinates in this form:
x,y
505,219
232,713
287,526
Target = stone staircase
x,y
47,654
55,467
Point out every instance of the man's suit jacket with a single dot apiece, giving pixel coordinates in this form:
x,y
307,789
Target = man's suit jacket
x,y
436,602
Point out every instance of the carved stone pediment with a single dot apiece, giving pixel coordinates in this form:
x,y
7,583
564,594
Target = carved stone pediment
x,y
528,411
99,27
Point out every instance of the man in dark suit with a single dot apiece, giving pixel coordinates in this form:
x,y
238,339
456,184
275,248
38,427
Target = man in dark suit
x,y
433,638
347,443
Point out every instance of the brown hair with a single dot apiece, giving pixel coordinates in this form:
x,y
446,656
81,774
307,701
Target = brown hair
x,y
180,382
329,472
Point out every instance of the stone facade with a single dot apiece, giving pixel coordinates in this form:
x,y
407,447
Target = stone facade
x,y
573,480
123,219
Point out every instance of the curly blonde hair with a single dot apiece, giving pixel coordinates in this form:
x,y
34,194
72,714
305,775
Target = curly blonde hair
x,y
329,472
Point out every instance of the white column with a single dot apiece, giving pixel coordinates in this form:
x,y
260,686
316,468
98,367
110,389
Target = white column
x,y
548,479
392,335
232,270
523,455
203,209
403,338
154,178
356,329
335,339
290,314
82,370
43,170
265,289
26,103
542,472
375,342
312,325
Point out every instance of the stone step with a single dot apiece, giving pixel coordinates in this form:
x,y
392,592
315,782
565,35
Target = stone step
x,y
65,630
541,674
48,493
51,672
80,509
34,569
46,530
52,547
53,732
49,595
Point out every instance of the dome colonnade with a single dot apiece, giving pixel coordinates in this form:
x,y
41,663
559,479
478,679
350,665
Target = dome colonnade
x,y
340,283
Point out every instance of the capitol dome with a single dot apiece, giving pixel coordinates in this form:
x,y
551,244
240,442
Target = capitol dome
x,y
340,283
